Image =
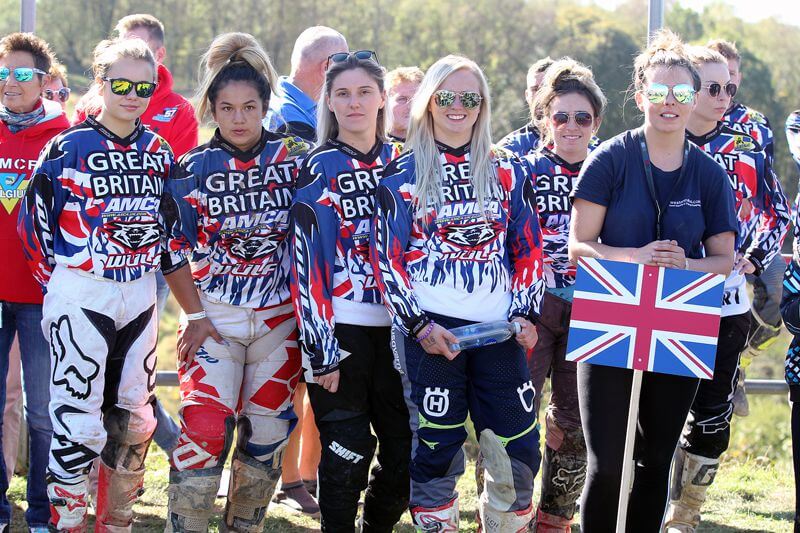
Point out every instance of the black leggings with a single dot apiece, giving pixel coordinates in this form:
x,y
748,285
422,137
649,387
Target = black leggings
x,y
604,394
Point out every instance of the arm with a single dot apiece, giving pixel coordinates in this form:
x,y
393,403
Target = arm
x,y
585,225
773,221
790,302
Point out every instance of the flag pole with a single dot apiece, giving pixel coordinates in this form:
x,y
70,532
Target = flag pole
x,y
655,20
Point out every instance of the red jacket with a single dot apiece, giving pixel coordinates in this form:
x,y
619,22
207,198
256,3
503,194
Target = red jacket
x,y
18,154
168,114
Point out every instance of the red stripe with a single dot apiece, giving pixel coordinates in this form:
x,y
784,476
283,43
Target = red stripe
x,y
692,358
601,279
600,347
691,287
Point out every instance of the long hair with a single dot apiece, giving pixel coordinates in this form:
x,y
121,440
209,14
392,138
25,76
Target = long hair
x,y
428,166
234,57
327,125
565,76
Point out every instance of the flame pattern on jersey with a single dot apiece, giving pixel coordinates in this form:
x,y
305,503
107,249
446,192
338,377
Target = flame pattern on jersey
x,y
93,203
790,310
793,136
752,177
527,141
554,179
742,119
456,250
227,212
331,220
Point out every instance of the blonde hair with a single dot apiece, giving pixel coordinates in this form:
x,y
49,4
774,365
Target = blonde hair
x,y
58,72
154,27
234,57
666,49
726,48
565,76
403,74
701,55
428,167
327,125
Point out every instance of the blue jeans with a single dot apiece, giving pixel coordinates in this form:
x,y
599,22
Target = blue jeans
x,y
25,320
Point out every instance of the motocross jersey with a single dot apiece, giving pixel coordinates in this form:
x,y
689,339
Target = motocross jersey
x,y
793,135
331,217
460,261
742,119
553,179
93,203
227,212
527,141
751,176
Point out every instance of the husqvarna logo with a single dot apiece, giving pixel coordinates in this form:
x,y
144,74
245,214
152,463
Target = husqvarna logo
x,y
436,401
527,405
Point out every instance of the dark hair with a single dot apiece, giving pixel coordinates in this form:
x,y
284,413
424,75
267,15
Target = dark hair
x,y
27,42
234,57
566,76
666,49
327,125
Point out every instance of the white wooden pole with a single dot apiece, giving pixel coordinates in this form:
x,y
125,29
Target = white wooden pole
x,y
627,460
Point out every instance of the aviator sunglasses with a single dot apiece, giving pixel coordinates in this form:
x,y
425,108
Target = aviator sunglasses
x,y
584,119
62,95
362,55
715,88
657,93
21,74
121,87
469,99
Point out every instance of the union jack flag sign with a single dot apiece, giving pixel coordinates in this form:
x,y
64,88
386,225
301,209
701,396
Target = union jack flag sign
x,y
645,318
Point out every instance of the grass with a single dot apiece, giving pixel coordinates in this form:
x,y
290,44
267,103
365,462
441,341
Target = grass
x,y
753,492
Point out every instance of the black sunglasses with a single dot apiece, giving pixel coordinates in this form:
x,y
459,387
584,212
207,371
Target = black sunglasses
x,y
715,88
584,119
362,55
121,87
62,95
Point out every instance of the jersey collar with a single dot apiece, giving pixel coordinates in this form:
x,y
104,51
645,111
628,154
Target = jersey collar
x,y
368,158
701,140
137,132
218,141
552,156
456,152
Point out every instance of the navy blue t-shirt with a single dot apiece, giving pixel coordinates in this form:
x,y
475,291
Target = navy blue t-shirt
x,y
701,206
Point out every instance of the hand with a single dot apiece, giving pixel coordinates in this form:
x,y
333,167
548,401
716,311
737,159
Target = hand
x,y
528,337
192,336
329,382
660,253
743,265
438,342
745,209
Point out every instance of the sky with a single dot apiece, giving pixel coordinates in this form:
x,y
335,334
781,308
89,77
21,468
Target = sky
x,y
787,11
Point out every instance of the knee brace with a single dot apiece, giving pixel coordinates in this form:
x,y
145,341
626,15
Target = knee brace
x,y
129,434
249,493
191,499
206,437
263,437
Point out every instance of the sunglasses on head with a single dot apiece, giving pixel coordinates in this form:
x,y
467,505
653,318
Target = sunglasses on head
x,y
21,74
584,119
362,55
469,99
657,93
715,88
62,95
121,87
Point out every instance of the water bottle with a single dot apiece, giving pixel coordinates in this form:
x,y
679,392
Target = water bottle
x,y
483,334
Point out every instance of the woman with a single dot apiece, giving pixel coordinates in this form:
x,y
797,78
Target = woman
x,y
456,241
27,123
569,106
344,328
756,189
57,89
614,216
227,217
90,226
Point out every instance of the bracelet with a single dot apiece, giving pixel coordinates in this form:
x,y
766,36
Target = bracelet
x,y
686,265
196,316
427,333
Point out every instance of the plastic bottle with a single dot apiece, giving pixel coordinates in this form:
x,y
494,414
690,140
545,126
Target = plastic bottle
x,y
483,334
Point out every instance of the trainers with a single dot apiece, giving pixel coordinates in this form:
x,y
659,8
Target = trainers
x,y
741,407
311,486
295,496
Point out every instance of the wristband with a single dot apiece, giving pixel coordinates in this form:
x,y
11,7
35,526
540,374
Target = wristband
x,y
427,333
196,316
419,325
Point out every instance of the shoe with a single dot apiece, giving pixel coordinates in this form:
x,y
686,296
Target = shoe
x,y
295,496
741,407
311,486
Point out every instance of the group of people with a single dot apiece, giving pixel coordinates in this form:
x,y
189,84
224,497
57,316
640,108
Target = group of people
x,y
323,243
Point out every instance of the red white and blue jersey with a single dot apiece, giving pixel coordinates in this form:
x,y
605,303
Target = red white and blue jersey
x,y
742,119
226,211
93,203
522,142
751,176
462,261
331,219
554,179
793,136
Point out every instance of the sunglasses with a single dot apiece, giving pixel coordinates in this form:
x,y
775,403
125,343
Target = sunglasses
x,y
21,74
584,119
657,93
361,55
62,95
121,87
469,99
715,88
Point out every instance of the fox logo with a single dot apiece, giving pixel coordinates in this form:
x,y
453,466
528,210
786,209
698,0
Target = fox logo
x,y
72,369
133,235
